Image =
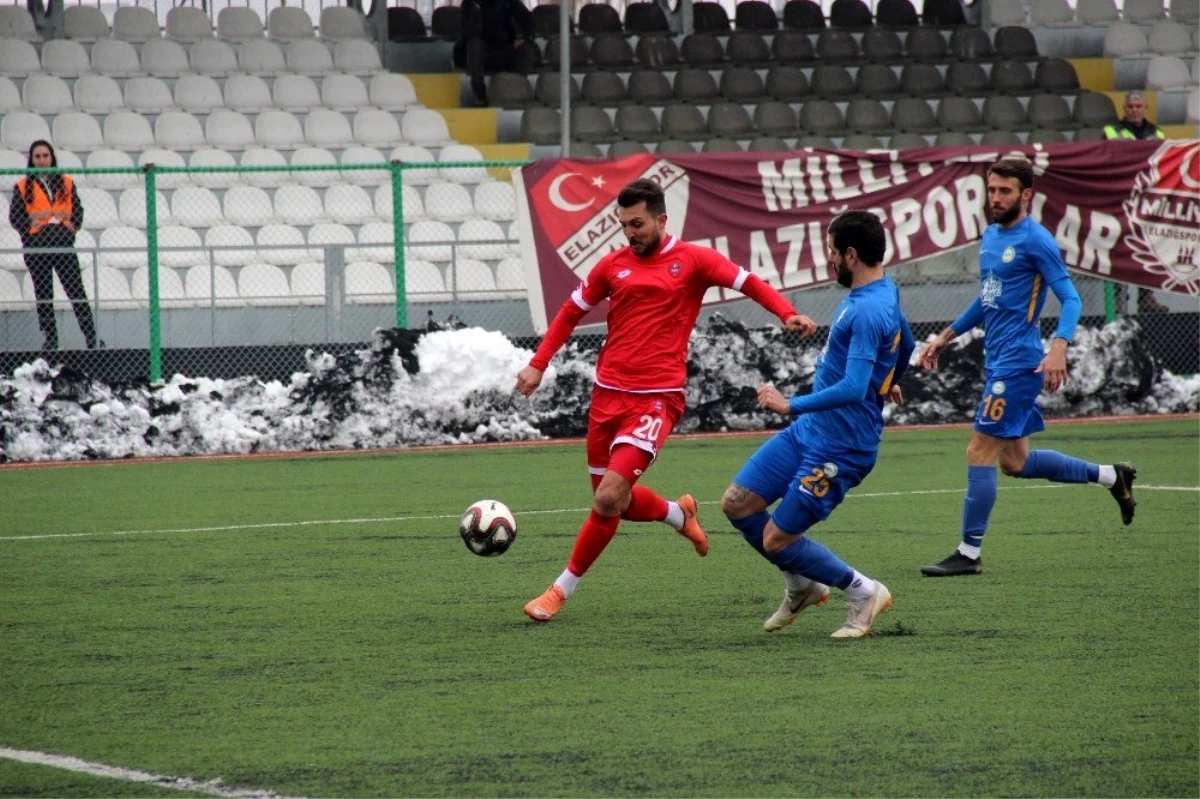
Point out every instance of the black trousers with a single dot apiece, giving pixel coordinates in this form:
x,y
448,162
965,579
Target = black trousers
x,y
42,266
478,60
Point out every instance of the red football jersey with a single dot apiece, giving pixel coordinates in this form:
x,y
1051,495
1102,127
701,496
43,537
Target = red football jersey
x,y
653,305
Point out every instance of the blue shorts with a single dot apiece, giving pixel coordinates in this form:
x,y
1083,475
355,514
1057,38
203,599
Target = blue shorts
x,y
812,480
1009,407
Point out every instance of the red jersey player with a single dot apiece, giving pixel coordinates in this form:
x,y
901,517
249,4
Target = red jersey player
x,y
654,287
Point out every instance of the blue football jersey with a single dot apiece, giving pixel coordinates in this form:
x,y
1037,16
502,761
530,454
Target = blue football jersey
x,y
867,325
1016,265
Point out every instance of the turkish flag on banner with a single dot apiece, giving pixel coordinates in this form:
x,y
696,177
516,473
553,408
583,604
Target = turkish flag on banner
x,y
1123,210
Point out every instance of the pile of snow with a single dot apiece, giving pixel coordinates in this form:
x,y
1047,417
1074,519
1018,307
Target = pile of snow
x,y
412,389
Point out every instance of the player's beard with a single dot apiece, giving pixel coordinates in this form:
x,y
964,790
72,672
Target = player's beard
x,y
645,247
844,275
1006,216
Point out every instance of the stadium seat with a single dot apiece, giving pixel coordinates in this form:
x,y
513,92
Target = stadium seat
x,y
163,58
589,123
1144,12
925,44
655,51
248,205
212,157
866,116
188,24
178,130
695,86
1124,40
99,207
548,87
510,278
896,14
17,23
832,82
289,23
428,240
1006,12
295,93
261,57
236,24
171,291
359,56
10,96
348,204
353,156
702,50
314,156
425,127
228,130
424,282
650,87
309,57
1094,110
748,48
247,94
622,149
496,201
20,129
231,245
776,119
1016,42
850,14
462,153
303,205
907,141
178,248
340,23
368,282
344,93
392,92
1168,37
792,47
62,57
308,283
213,57
472,279
1004,113
122,247
211,284
113,181
1167,73
882,45
197,94
637,123
709,17
322,128
959,114
1050,111
598,18
375,128
755,15
260,284
786,84
862,142
1052,14
1002,138
448,202
913,115
131,207
967,79
114,58
742,85
281,130
610,50
1056,75
196,207
75,130
377,243
1012,77
683,122
446,23
283,245
1185,12
1046,136
18,58
328,234
1193,106
803,15
483,239
969,43
414,208
599,88
645,17
85,23
135,25
414,154
47,94
876,81
405,24
264,157
1097,12
577,52
730,121
143,95
112,288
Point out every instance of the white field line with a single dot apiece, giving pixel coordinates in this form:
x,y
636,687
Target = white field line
x,y
445,516
211,787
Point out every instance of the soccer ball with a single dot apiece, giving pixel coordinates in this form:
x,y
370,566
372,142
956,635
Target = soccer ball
x,y
488,528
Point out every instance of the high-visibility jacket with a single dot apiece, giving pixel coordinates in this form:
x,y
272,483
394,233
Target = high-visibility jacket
x,y
1121,130
62,207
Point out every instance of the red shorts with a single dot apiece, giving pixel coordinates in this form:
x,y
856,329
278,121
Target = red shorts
x,y
620,417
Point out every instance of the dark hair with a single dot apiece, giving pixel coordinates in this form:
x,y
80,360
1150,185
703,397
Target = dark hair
x,y
1017,168
643,190
861,230
53,181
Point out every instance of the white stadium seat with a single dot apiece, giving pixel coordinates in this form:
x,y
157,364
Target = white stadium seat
x,y
213,284
349,204
1193,106
164,58
356,57
1185,11
1123,40
10,96
308,283
115,58
125,130
275,128
263,284
430,240
122,247
287,23
462,153
308,57
212,157
392,92
423,282
11,295
414,208
238,24
228,130
20,129
248,205
369,283
282,245
496,200
65,58
342,22
112,289
1006,12
100,94
328,234
1052,14
147,95
11,249
376,128
214,57
17,23
261,57
72,163
178,130
314,156
171,293
247,94
412,154
364,177
111,159
180,247
18,58
188,24
472,280
85,23
1167,73
1168,37
344,92
483,230
1144,12
376,243
160,158
510,277
75,130
197,94
132,207
99,208
230,245
264,156
47,94
425,128
196,207
299,205
448,202
135,24
326,128
296,93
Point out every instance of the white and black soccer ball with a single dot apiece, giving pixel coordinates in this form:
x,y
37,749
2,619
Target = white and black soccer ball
x,y
488,528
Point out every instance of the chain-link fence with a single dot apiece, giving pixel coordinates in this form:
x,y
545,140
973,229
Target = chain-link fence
x,y
228,270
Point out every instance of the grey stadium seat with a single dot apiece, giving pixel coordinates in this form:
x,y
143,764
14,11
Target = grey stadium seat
x,y
786,83
1056,75
837,45
922,80
959,113
730,121
510,90
589,123
611,50
774,118
907,141
650,87
969,43
747,48
656,52
580,149
596,18
1047,136
695,86
637,122
675,146
925,44
720,145
1001,112
1094,110
967,79
876,81
548,90
1001,137
702,50
1012,41
604,88
953,138
709,18
792,47
832,82
816,141
896,14
546,22
620,149
742,84
914,115
1090,134
684,122
803,15
947,13
755,15
850,14
867,116
541,125
578,52
861,141
647,17
768,144
1050,111
882,45
822,117
1012,77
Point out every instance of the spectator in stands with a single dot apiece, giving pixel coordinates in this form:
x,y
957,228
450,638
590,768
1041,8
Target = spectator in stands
x,y
497,36
1134,125
46,211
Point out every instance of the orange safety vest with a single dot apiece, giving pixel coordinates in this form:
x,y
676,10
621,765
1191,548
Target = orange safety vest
x,y
61,206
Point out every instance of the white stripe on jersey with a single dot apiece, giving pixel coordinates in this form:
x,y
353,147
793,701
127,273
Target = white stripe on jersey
x,y
577,297
667,247
740,280
641,390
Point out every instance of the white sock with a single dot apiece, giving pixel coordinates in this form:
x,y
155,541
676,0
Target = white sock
x,y
1108,476
567,582
968,550
675,516
860,587
795,582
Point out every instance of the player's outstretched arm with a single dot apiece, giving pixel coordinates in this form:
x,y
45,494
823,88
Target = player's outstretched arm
x,y
851,388
565,321
967,320
765,295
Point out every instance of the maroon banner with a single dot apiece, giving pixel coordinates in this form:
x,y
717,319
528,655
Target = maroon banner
x,y
1127,211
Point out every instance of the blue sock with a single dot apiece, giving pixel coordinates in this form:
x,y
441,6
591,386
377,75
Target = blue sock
x,y
813,560
1059,468
977,507
751,528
